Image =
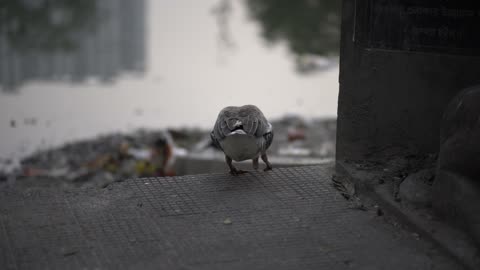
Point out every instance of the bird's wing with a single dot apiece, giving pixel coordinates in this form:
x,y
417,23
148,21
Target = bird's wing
x,y
264,126
268,137
254,122
252,119
214,140
250,124
221,128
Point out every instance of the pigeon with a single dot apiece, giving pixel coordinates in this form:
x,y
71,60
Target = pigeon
x,y
243,133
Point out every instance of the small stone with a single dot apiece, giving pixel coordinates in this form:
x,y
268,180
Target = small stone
x,y
68,251
455,192
227,221
359,206
416,188
396,188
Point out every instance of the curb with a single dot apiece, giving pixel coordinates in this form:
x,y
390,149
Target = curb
x,y
455,243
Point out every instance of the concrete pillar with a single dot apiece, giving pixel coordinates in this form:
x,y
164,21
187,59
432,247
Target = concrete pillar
x,y
401,63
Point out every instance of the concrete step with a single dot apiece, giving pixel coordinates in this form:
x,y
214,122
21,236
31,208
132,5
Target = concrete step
x,y
288,218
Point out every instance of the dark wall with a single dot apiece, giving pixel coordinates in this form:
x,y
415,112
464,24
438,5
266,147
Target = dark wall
x,y
401,63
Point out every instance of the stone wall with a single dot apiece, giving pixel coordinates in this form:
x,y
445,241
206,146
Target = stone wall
x,y
400,66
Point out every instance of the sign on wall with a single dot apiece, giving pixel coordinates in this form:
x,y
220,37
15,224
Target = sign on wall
x,y
444,26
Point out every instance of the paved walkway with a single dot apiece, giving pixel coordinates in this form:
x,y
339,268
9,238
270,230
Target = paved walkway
x,y
288,218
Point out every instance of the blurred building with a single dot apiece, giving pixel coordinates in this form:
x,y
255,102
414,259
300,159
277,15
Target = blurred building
x,y
113,45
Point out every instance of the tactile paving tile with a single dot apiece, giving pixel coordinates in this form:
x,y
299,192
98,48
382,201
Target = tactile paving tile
x,y
288,218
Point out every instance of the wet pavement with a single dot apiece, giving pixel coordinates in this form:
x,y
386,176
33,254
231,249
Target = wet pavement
x,y
288,218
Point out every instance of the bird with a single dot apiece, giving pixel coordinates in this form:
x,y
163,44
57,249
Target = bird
x,y
243,133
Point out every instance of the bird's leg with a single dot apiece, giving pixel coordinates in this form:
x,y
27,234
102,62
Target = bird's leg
x,y
265,159
233,170
255,163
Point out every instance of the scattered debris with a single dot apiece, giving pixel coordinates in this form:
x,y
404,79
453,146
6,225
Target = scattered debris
x,y
291,150
30,121
104,160
348,262
296,133
417,188
68,252
379,210
115,157
71,253
344,185
359,206
397,181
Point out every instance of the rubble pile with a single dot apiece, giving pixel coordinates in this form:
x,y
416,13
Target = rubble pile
x,y
148,153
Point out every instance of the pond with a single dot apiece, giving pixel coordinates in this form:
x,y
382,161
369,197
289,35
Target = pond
x,y
191,63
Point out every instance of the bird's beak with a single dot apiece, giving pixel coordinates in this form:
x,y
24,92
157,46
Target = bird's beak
x,y
237,132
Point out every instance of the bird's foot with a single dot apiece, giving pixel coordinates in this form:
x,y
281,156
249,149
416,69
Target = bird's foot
x,y
255,164
268,168
269,165
235,171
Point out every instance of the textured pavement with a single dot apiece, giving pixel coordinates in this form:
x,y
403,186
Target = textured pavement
x,y
288,218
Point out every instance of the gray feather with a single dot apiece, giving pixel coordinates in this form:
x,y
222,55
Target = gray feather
x,y
268,140
253,120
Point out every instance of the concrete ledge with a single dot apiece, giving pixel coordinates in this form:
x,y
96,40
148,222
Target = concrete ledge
x,y
288,218
421,220
197,163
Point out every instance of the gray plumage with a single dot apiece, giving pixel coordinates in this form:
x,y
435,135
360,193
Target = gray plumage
x,y
243,133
